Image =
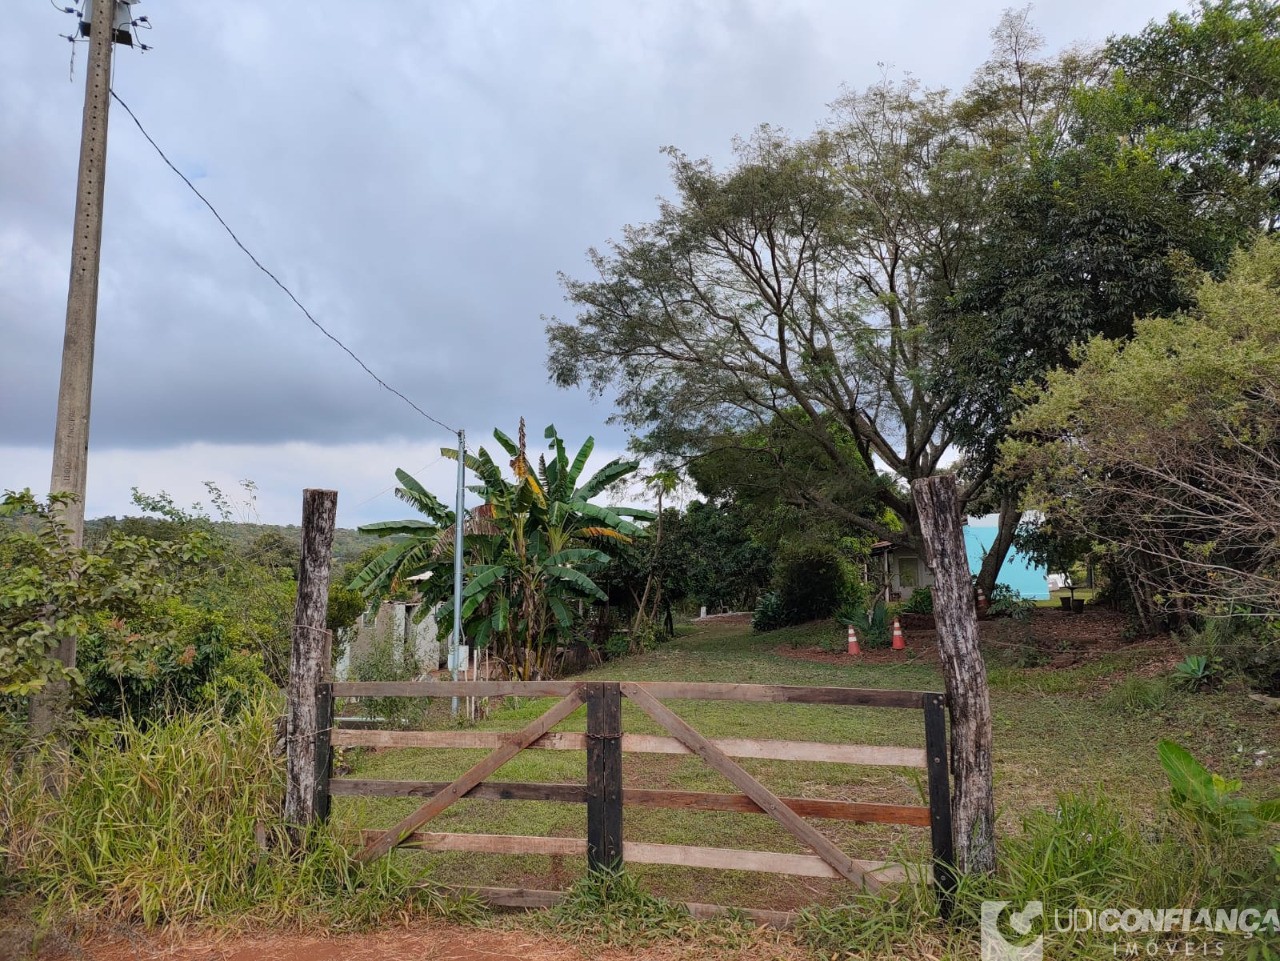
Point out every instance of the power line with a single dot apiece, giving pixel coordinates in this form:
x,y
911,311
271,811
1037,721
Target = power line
x,y
276,280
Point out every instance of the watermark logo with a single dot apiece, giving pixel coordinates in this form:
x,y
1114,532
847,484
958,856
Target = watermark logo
x,y
997,947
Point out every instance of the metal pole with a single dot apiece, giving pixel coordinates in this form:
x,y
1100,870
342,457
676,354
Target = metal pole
x,y
455,642
71,429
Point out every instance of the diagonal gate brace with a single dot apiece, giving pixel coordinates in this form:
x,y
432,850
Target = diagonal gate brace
x,y
720,762
513,745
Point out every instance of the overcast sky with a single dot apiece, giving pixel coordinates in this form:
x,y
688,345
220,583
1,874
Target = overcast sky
x,y
417,173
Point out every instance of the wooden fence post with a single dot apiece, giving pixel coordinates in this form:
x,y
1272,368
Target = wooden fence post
x,y
309,658
935,746
604,776
973,810
324,750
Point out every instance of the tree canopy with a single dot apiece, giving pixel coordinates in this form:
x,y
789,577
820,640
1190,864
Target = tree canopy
x,y
1165,450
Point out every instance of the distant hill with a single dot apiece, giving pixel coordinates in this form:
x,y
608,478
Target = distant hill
x,y
348,544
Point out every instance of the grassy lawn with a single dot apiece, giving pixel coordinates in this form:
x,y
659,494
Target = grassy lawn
x,y
1057,731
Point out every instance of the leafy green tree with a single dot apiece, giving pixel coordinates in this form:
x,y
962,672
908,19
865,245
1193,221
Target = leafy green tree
x,y
1158,162
1165,450
144,646
532,549
800,289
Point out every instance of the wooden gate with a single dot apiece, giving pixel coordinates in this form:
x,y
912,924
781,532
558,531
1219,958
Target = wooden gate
x,y
606,799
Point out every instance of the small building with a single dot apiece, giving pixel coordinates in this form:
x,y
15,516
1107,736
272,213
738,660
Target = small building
x,y
394,623
898,570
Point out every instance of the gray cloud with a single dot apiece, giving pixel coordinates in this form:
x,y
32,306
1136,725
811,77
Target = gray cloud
x,y
417,173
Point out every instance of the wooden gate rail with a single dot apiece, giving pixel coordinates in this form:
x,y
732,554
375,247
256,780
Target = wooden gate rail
x,y
606,798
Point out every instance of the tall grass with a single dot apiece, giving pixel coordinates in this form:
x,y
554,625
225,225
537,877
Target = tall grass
x,y
178,822
1086,853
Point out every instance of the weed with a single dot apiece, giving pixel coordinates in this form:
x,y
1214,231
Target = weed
x,y
1197,673
610,907
1135,696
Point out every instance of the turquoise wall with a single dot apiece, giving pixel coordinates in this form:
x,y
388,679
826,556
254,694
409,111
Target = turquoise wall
x,y
1018,572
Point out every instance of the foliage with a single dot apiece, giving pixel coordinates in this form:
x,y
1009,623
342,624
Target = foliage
x,y
713,558
1248,647
786,486
769,614
144,648
532,549
1210,800
1006,602
920,602
810,581
386,658
159,825
874,626
611,908
785,294
1087,852
1196,673
1164,450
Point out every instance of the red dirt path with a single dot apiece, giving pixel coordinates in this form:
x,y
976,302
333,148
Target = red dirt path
x,y
432,942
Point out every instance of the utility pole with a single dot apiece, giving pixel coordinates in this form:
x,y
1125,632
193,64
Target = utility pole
x,y
459,517
71,432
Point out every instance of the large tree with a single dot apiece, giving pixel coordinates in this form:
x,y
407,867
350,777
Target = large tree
x,y
800,288
786,292
1165,450
1158,163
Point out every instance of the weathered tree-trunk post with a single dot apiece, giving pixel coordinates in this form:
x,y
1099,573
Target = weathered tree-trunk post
x,y
308,660
973,810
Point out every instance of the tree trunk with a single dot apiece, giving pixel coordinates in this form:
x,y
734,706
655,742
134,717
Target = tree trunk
x,y
1010,517
308,661
968,702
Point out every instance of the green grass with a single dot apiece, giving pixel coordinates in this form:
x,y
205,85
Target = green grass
x,y
1056,731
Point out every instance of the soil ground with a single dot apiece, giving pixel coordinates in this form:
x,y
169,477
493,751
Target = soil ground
x,y
436,942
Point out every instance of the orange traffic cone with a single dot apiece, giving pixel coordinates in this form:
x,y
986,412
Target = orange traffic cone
x,y
854,649
982,602
899,642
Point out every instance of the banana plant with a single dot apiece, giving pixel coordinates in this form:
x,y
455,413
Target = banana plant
x,y
532,550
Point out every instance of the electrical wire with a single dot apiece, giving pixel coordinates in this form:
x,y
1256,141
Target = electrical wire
x,y
276,280
387,490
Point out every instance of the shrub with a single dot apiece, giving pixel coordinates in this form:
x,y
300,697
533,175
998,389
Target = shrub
x,y
769,614
811,581
1249,647
1006,602
388,658
920,602
192,668
874,627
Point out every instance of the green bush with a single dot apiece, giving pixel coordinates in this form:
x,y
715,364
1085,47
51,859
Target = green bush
x,y
193,667
874,627
769,614
811,581
388,658
1006,602
920,602
1245,646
